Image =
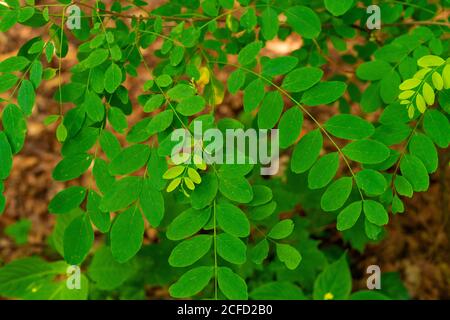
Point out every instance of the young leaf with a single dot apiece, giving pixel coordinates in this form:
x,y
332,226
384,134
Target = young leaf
x,y
67,200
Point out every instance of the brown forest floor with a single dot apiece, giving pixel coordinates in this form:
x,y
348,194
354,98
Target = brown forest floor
x,y
417,246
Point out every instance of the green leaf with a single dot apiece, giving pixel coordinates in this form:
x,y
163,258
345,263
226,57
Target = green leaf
x,y
278,66
192,282
66,200
302,79
306,151
205,192
259,252
19,231
164,80
160,122
110,144
323,171
375,212
430,61
282,229
371,181
253,95
94,107
415,172
423,148
100,219
14,64
248,54
152,203
188,223
189,251
368,295
181,91
95,58
7,81
347,126
154,102
191,105
231,284
72,167
366,151
403,187
129,160
348,217
338,7
261,195
324,93
373,70
127,234
389,87
6,159
121,194
334,282
269,23
236,81
270,111
36,72
235,188
232,220
288,255
280,290
437,127
336,194
15,127
290,127
106,272
113,78
231,248
18,278
304,21
78,240
26,97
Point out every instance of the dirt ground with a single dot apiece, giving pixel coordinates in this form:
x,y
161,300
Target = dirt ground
x,y
418,242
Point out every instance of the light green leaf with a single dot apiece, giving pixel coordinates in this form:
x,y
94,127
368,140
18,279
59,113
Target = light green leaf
x,y
113,78
338,7
334,282
191,105
415,172
371,181
26,97
282,229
